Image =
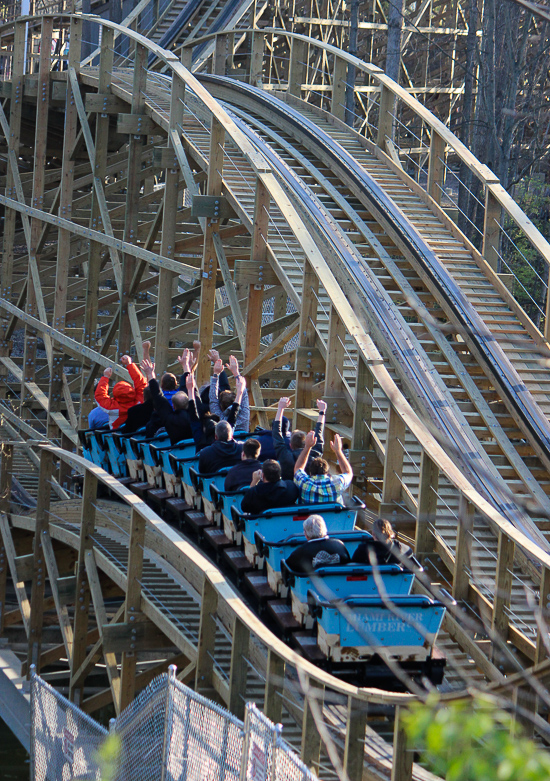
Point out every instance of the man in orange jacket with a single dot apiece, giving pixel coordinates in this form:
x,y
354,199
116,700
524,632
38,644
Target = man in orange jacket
x,y
124,395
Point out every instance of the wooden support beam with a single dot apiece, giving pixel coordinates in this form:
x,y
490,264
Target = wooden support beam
x,y
42,515
135,150
427,507
362,413
308,333
311,739
297,67
64,236
19,585
16,106
101,619
463,549
544,607
239,668
133,604
169,220
354,750
209,268
6,469
339,76
503,589
402,764
82,606
207,639
62,612
436,167
491,230
274,687
255,73
393,463
79,676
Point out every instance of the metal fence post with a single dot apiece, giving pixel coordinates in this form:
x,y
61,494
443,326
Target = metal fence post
x,y
246,742
172,669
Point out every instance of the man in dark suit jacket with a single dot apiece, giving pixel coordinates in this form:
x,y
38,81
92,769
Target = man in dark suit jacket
x,y
224,452
173,416
267,490
241,474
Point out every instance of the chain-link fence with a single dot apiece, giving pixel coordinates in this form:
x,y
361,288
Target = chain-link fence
x,y
169,733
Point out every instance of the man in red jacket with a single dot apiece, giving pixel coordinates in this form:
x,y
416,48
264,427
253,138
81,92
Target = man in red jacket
x,y
124,395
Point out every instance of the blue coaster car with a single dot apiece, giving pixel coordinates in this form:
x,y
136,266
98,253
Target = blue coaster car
x,y
341,581
97,448
161,455
273,551
86,447
116,457
149,459
203,482
181,467
223,502
283,521
359,627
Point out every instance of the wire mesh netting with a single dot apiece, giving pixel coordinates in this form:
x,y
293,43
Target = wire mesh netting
x,y
168,732
64,740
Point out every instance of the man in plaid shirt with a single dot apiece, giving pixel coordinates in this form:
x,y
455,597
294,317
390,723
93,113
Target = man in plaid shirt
x,y
319,486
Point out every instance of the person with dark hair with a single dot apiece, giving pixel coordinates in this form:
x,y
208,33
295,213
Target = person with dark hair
x,y
241,474
139,415
203,422
384,545
223,452
319,550
288,449
173,416
320,486
268,490
220,403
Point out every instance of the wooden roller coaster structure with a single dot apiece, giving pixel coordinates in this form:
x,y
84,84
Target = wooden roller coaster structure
x,y
170,206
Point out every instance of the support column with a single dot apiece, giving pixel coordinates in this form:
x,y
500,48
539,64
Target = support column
x,y
82,602
16,105
503,589
133,605
491,230
64,236
463,549
258,256
39,565
311,739
6,469
436,167
209,268
132,202
308,334
393,463
334,375
427,507
168,243
35,305
96,250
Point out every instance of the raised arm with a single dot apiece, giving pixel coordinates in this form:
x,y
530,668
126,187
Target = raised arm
x,y
236,406
102,392
343,463
302,459
214,403
320,427
195,355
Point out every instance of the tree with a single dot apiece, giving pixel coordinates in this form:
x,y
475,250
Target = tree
x,y
474,741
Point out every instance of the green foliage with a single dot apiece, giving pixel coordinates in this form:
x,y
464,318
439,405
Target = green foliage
x,y
107,757
475,741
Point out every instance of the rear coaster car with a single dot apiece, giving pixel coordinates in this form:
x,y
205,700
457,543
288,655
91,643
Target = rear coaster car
x,y
343,582
354,628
